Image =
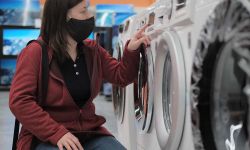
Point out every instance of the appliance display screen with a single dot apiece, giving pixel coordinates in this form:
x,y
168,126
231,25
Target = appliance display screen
x,y
7,70
19,12
14,40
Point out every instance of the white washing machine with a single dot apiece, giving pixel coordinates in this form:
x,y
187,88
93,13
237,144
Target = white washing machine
x,y
188,38
123,97
173,74
143,89
220,74
172,47
170,90
135,109
161,126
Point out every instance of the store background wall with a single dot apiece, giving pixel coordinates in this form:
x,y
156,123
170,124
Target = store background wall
x,y
136,3
19,12
139,5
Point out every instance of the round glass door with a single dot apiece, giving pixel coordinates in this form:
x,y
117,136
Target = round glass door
x,y
166,92
118,93
219,80
143,91
228,105
247,92
170,90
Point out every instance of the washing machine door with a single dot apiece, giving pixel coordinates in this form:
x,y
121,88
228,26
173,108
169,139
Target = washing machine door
x,y
247,92
118,93
220,79
143,91
170,88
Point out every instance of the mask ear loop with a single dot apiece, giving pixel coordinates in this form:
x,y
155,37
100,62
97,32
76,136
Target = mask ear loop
x,y
68,19
87,3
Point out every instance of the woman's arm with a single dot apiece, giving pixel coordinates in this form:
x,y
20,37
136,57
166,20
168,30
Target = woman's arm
x,y
120,73
124,72
23,97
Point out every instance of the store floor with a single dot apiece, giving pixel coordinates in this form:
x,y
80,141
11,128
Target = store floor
x,y
103,107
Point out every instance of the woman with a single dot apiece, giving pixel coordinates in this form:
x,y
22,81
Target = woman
x,y
67,118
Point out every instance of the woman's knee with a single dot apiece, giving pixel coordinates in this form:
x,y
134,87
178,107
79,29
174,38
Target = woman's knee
x,y
46,146
104,143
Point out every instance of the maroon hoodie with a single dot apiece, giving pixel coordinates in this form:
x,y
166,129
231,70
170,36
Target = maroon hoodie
x,y
59,113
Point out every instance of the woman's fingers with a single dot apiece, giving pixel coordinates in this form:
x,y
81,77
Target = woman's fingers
x,y
143,29
148,40
73,145
77,143
141,32
140,35
144,35
144,40
70,142
60,146
67,146
139,38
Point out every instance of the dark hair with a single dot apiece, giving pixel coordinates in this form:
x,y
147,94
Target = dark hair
x,y
54,28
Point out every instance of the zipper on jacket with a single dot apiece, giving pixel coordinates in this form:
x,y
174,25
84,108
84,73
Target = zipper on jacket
x,y
80,120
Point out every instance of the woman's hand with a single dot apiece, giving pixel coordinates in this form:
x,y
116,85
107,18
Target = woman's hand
x,y
138,39
70,142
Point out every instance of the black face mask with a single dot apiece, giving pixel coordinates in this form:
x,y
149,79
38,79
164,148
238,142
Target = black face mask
x,y
79,30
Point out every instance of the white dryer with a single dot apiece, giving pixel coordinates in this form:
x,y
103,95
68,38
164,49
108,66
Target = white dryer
x,y
135,129
123,97
170,87
220,74
173,75
188,37
165,72
171,48
143,89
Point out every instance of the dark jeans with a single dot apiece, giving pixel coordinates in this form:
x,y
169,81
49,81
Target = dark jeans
x,y
98,143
